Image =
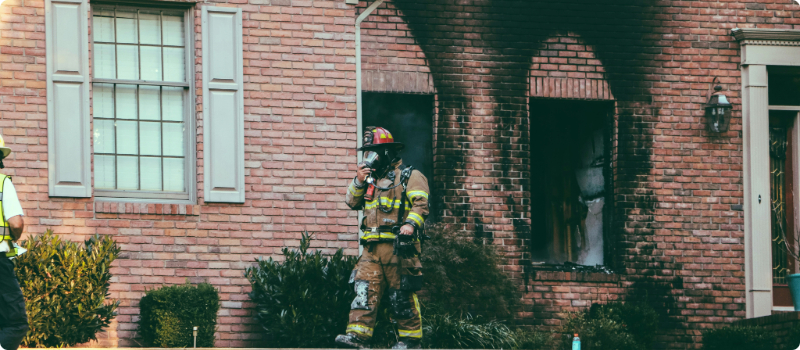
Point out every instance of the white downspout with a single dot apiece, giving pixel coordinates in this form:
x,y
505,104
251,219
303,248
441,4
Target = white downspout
x,y
361,18
359,121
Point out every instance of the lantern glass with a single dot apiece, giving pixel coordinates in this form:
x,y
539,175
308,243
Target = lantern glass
x,y
718,113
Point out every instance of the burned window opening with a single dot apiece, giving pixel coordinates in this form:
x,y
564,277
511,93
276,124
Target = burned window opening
x,y
570,180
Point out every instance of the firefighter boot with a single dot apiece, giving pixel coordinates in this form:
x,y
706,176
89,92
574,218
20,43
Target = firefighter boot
x,y
407,343
351,340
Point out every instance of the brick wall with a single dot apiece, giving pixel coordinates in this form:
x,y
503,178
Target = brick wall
x,y
677,189
300,140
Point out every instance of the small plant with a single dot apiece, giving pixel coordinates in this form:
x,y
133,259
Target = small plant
x,y
614,326
739,338
168,314
65,285
303,301
462,275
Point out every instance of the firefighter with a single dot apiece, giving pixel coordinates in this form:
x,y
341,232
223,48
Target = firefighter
x,y
394,198
13,320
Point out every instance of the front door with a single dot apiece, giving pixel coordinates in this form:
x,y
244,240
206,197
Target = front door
x,y
784,106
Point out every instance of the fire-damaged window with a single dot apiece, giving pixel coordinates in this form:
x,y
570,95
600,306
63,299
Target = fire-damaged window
x,y
570,180
409,117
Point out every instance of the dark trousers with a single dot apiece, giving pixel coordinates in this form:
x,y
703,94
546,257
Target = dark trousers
x,y
13,320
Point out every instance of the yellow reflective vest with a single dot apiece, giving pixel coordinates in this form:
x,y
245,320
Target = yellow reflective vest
x,y
6,239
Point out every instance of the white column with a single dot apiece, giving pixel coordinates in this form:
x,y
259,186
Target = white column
x,y
757,232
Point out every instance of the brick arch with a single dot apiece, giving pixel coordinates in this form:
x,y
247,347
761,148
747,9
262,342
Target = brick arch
x,y
392,59
565,66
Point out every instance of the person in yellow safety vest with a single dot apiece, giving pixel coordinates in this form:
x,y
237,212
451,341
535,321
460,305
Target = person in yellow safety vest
x,y
394,199
13,319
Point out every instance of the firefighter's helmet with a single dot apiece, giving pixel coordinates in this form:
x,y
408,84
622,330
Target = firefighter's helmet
x,y
376,136
6,151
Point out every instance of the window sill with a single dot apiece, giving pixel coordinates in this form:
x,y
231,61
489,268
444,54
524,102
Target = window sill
x,y
112,207
540,274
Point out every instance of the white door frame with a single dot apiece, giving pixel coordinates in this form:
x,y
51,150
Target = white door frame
x,y
760,48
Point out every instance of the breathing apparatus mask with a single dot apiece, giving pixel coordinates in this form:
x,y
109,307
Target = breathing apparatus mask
x,y
379,160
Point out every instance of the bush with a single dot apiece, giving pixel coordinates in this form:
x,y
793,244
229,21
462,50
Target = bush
x,y
640,320
453,332
466,332
738,338
794,336
65,285
614,326
463,275
303,301
168,314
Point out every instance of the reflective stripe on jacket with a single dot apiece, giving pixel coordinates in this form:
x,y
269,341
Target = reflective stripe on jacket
x,y
5,237
383,209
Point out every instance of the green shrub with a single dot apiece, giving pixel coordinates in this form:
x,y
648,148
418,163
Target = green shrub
x,y
65,285
454,332
464,276
534,340
303,301
640,320
443,331
168,314
794,336
615,325
600,333
738,338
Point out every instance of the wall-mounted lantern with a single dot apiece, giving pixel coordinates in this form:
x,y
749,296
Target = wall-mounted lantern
x,y
718,111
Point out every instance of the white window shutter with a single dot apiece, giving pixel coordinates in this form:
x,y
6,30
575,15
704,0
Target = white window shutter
x,y
223,105
68,131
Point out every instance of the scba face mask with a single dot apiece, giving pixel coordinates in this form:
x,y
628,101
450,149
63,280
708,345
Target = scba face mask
x,y
378,160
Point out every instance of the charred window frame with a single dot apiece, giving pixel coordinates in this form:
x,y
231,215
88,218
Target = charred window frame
x,y
559,211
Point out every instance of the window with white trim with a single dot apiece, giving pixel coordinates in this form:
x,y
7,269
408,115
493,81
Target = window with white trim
x,y
141,103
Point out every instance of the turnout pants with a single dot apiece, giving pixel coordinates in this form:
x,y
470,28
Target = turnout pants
x,y
13,320
380,272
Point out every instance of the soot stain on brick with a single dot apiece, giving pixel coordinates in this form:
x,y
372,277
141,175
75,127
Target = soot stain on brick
x,y
506,38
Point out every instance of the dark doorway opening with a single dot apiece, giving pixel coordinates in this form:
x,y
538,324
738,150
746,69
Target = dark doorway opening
x,y
409,117
571,188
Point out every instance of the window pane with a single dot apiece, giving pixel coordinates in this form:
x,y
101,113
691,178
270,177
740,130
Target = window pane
x,y
151,62
104,61
151,173
126,27
103,101
173,30
173,174
149,103
103,29
103,11
174,67
127,62
128,173
173,139
126,101
103,136
150,138
172,103
104,172
127,140
784,86
150,28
